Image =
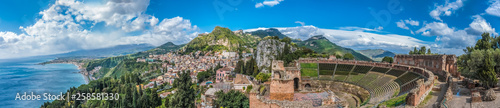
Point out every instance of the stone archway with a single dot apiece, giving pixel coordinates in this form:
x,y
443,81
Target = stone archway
x,y
296,84
307,87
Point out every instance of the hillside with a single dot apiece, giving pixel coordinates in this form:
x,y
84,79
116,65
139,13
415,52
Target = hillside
x,y
322,45
377,54
220,39
268,32
162,49
109,63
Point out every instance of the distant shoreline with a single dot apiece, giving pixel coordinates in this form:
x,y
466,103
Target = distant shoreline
x,y
82,71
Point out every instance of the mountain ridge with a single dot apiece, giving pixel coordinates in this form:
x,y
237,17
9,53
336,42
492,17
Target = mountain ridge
x,y
377,54
321,44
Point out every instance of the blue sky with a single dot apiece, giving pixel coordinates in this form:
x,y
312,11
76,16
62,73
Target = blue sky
x,y
40,27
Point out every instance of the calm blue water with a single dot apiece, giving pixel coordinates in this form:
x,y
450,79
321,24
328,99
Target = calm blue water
x,y
22,75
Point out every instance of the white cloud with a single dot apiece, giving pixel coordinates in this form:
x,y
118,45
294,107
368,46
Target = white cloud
x,y
67,25
435,29
259,5
412,22
354,37
445,10
401,24
269,3
353,28
301,23
479,26
494,8
457,39
449,40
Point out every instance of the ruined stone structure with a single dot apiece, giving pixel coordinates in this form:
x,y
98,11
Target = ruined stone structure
x,y
284,81
438,64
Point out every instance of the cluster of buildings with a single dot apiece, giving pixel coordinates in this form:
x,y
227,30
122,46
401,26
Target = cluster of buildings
x,y
172,64
195,62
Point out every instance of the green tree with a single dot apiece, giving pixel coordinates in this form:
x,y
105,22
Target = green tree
x,y
185,95
155,99
231,99
287,40
263,77
239,67
481,61
387,59
202,76
486,73
422,50
349,56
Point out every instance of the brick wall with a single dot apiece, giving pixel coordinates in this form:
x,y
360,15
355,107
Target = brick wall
x,y
256,103
281,90
438,64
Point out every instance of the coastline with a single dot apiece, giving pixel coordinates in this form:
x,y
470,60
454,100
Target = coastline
x,y
82,70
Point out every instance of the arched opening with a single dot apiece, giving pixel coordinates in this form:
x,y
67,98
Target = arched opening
x,y
277,75
307,86
296,84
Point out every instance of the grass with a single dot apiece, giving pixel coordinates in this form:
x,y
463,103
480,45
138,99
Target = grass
x,y
309,69
339,77
309,72
426,99
394,101
325,77
309,65
341,72
325,72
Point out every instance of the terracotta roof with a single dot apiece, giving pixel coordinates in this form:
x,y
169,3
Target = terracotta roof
x,y
240,79
225,69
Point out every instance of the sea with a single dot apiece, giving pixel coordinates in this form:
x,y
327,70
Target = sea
x,y
24,75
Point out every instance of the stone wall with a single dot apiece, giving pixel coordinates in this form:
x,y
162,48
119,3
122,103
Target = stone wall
x,y
281,90
423,88
438,64
255,102
417,95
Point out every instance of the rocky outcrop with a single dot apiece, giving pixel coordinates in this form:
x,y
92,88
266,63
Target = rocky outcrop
x,y
268,50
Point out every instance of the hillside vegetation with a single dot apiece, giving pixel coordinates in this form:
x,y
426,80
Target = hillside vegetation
x,y
322,45
268,32
220,39
377,54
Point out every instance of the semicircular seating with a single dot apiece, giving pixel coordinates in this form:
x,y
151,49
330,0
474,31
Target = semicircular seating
x,y
381,82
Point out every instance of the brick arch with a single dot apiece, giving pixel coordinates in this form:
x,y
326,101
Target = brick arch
x,y
307,85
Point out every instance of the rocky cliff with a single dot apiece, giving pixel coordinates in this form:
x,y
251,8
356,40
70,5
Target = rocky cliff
x,y
268,50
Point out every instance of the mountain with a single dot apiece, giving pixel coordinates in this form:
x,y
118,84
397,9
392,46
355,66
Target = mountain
x,y
377,54
320,44
221,39
268,32
109,52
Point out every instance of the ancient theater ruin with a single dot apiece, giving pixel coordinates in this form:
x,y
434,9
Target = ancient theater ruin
x,y
322,82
